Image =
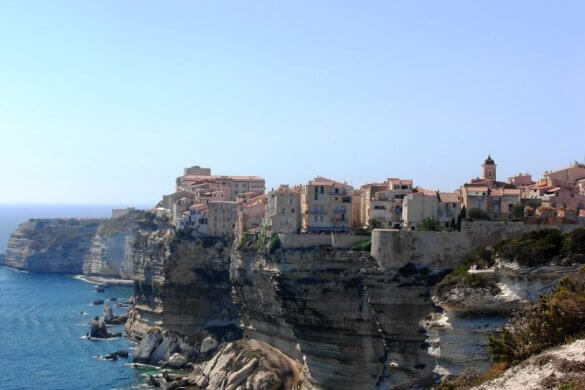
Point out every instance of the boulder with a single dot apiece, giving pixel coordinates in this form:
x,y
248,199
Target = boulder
x,y
98,302
100,289
168,346
147,345
208,344
108,314
176,361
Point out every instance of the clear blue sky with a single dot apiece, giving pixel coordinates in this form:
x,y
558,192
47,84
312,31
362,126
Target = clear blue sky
x,y
107,101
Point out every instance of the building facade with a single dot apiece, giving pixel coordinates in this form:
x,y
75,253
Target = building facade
x,y
283,210
326,206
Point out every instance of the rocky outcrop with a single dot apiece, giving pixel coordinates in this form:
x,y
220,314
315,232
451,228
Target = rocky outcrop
x,y
2,258
95,247
51,245
550,369
111,249
249,364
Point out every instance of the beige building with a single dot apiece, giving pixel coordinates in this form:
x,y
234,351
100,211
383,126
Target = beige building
x,y
221,218
283,210
383,202
443,207
570,175
326,206
199,186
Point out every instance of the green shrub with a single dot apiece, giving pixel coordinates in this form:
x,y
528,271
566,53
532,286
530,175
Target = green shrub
x,y
430,224
362,246
553,320
480,258
532,249
574,242
274,243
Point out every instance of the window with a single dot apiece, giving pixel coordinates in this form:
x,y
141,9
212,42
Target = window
x,y
283,210
321,218
292,211
321,189
291,201
316,196
343,217
337,191
316,219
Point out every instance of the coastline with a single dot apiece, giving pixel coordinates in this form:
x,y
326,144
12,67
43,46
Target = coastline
x,y
101,280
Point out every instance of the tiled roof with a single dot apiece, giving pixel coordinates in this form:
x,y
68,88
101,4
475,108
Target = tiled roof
x,y
449,197
322,181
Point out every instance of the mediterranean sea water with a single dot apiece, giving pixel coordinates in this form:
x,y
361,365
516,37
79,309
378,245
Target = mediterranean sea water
x,y
43,318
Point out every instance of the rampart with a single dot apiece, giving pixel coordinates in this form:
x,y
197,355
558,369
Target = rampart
x,y
339,241
394,248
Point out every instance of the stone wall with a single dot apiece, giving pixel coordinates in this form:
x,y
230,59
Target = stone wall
x,y
300,241
395,248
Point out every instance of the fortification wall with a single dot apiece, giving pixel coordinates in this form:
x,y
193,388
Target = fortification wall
x,y
394,248
300,241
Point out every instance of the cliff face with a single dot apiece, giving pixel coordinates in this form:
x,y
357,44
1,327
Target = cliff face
x,y
51,245
103,247
348,322
111,250
352,324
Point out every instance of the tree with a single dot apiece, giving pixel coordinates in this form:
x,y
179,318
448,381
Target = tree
x,y
518,211
430,224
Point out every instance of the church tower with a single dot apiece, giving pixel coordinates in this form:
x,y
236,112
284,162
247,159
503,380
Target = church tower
x,y
489,171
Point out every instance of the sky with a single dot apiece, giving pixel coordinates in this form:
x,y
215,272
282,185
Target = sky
x,y
106,102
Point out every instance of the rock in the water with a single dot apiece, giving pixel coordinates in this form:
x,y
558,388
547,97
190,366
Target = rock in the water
x,y
111,356
116,355
209,344
100,289
113,299
98,329
122,353
98,302
108,314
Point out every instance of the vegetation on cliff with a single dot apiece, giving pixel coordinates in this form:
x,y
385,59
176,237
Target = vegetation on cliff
x,y
479,258
554,319
543,246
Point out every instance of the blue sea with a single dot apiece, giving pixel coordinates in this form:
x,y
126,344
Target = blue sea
x,y
43,318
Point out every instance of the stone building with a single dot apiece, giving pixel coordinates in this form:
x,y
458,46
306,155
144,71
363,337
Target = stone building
x,y
443,207
383,202
283,210
221,218
326,206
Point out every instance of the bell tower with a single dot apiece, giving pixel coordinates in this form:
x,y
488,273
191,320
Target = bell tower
x,y
489,171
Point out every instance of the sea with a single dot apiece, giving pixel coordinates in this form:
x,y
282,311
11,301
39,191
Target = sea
x,y
44,319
